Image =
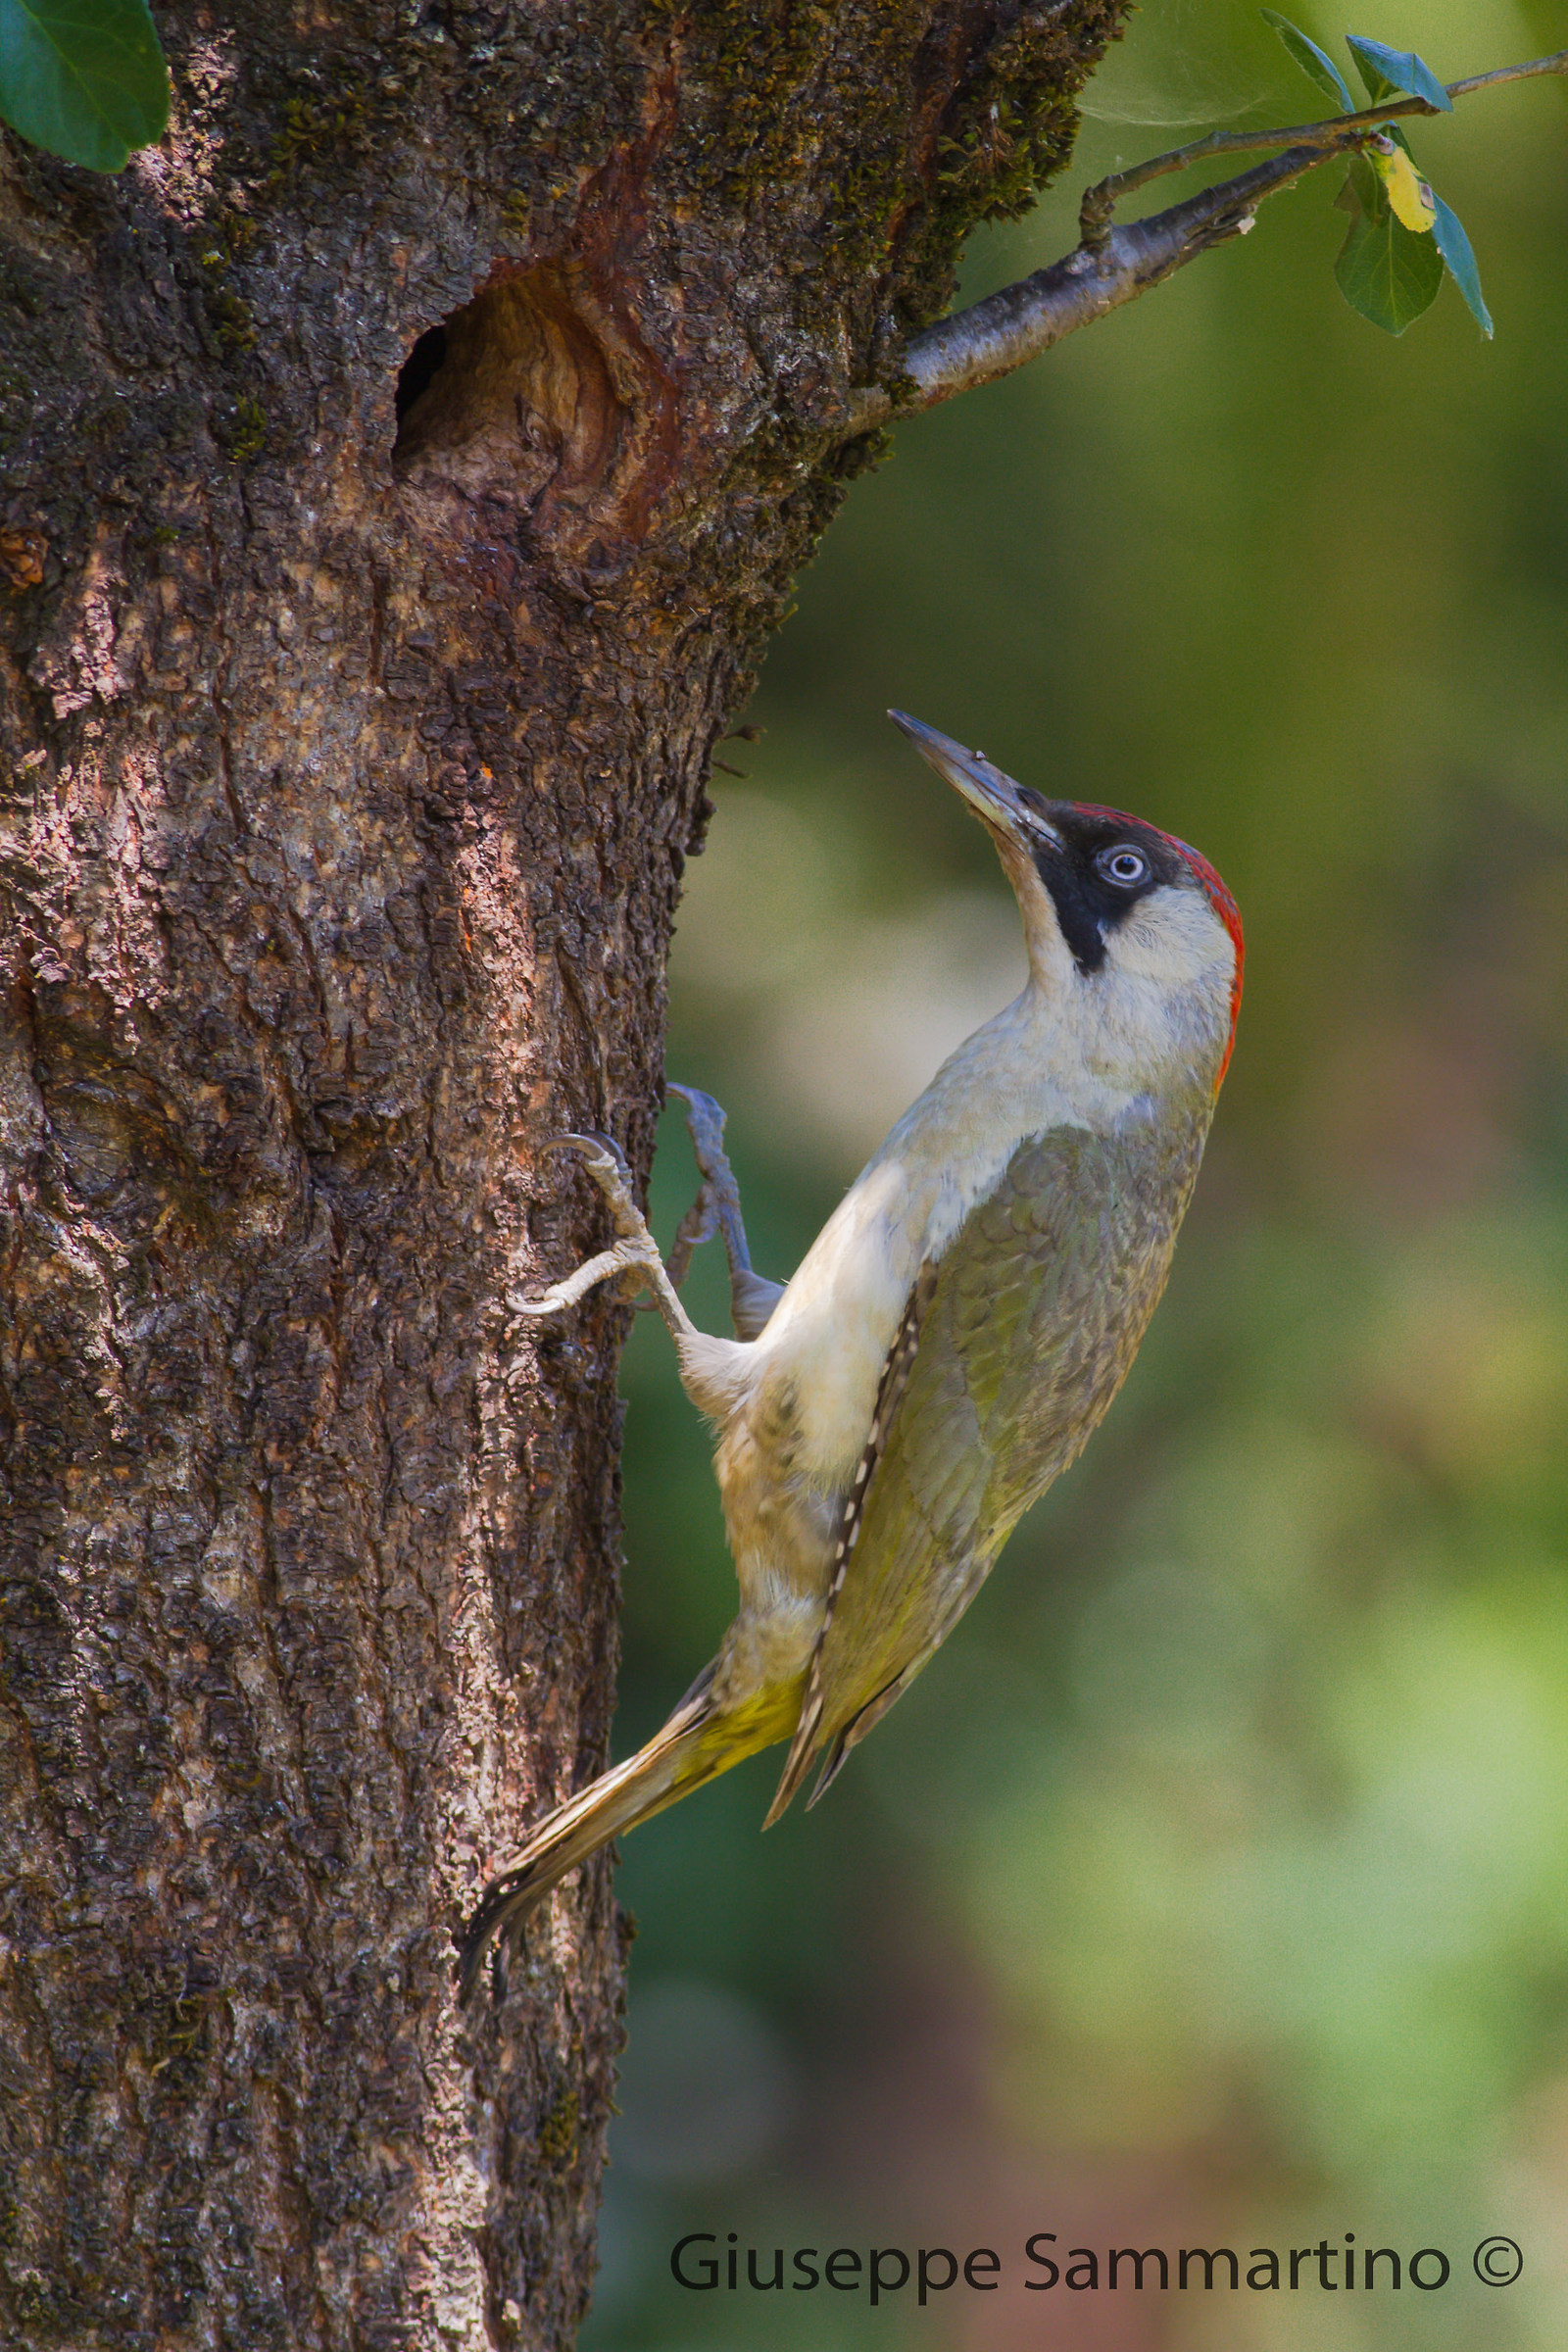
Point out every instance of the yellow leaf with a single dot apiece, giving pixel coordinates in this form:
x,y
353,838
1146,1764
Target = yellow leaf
x,y
1410,197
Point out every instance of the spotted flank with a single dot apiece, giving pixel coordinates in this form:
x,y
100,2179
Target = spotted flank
x,y
890,1389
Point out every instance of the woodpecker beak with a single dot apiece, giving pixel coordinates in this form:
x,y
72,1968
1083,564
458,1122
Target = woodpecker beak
x,y
995,798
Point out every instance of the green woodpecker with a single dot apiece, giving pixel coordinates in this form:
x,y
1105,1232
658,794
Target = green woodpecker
x,y
958,1329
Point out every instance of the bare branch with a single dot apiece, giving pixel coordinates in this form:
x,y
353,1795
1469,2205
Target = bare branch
x,y
992,337
1556,63
1115,264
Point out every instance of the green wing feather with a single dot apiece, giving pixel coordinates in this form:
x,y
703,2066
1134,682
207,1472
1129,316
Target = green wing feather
x,y
1015,1343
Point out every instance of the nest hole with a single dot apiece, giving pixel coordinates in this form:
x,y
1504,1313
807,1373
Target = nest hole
x,y
508,388
420,369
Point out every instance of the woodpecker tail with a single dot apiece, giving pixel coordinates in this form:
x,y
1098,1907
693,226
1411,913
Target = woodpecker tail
x,y
647,1781
696,1744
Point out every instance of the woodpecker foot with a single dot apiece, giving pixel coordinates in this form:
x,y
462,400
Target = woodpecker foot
x,y
636,1253
718,1209
717,1206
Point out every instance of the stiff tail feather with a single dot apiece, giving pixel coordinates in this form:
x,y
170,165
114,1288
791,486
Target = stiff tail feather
x,y
696,1744
629,1794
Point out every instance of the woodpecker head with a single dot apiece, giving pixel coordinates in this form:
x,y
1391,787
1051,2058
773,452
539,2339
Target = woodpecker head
x,y
1133,928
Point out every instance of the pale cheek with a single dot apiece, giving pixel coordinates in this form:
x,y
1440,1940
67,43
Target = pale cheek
x,y
1168,981
1174,942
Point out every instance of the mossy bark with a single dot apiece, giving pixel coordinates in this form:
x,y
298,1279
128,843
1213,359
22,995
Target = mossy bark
x,y
351,758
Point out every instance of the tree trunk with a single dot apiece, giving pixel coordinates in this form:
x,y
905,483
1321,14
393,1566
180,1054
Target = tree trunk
x,y
355,735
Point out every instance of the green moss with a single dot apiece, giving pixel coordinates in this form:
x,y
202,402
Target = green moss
x,y
246,436
1004,140
314,125
560,2130
760,56
172,2030
228,315
236,231
1018,132
45,2308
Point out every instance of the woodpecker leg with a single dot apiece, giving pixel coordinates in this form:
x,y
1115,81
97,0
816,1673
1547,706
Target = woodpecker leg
x,y
636,1253
717,1206
718,1209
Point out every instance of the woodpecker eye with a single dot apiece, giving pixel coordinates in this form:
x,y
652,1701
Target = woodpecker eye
x,y
1123,865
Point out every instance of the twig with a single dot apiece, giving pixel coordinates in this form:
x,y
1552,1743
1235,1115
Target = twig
x,y
1099,201
1115,264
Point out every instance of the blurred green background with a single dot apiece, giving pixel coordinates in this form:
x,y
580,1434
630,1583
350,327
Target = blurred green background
x,y
1212,1885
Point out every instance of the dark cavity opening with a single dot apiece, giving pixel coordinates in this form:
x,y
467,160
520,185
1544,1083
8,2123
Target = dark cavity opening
x,y
420,369
506,393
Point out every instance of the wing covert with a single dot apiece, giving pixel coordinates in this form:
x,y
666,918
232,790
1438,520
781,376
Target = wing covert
x,y
1023,1331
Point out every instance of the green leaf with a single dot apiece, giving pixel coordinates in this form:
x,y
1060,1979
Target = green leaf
x,y
1455,247
1387,272
1362,191
1315,62
1385,70
83,78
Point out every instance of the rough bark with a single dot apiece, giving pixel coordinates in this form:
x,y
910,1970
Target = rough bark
x,y
350,764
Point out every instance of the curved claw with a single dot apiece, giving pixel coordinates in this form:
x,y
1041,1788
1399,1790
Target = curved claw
x,y
698,1104
635,1253
593,1147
